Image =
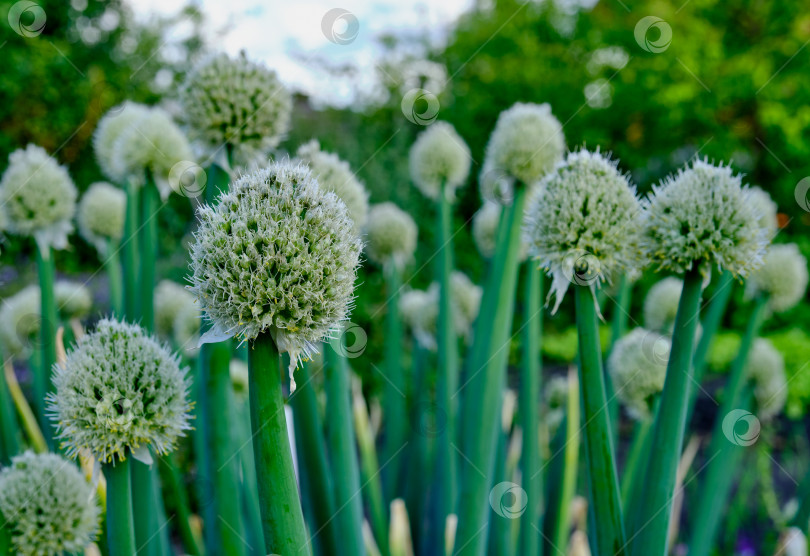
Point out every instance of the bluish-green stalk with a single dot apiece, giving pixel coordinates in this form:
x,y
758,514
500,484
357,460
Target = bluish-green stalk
x,y
250,483
47,334
618,328
112,264
129,248
393,388
119,520
418,479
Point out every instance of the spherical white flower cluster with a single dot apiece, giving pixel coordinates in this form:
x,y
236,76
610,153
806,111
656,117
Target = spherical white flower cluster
x,y
277,254
638,368
765,208
466,299
703,215
485,228
73,300
150,147
119,391
236,102
170,299
527,142
186,329
439,161
37,197
48,506
101,214
20,321
335,175
582,221
766,368
661,305
782,277
390,235
419,310
117,121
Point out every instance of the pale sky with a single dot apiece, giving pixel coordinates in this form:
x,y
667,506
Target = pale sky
x,y
286,34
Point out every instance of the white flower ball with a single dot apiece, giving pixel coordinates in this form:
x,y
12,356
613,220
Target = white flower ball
x,y
783,277
20,322
638,368
112,125
439,161
73,300
390,235
661,305
766,368
170,299
101,214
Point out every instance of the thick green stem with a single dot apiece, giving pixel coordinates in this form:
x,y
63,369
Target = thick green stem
x,y
47,335
529,408
250,483
726,453
421,419
147,504
9,428
342,448
636,454
618,328
605,498
112,264
5,538
182,507
670,423
393,390
129,248
150,204
314,463
120,527
484,399
282,518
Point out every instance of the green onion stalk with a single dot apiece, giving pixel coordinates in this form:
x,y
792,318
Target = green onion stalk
x,y
599,450
529,414
282,517
5,539
670,424
486,380
630,483
191,544
47,334
315,470
112,264
802,515
250,483
342,447
418,447
129,250
395,406
119,518
500,539
618,328
9,429
725,454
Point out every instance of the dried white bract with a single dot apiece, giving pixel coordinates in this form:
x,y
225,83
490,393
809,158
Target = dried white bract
x,y
661,305
703,215
782,276
277,254
766,368
112,125
119,391
419,310
526,143
236,102
582,221
20,322
170,299
638,367
73,300
101,214
48,506
335,175
37,197
390,235
765,208
151,146
439,161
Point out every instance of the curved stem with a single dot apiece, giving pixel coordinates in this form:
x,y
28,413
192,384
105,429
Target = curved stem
x,y
282,518
120,523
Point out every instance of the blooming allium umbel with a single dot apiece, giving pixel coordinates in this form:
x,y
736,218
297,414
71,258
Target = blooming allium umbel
x,y
581,222
703,215
661,305
47,505
37,197
485,228
638,367
236,102
390,235
335,175
419,310
765,208
101,214
782,277
20,321
277,254
119,390
765,367
439,161
170,299
73,299
526,143
111,126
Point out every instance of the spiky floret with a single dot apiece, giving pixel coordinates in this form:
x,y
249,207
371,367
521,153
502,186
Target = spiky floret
x,y
236,102
485,228
277,254
661,305
335,175
439,161
115,122
526,143
100,215
765,208
119,390
582,221
20,321
638,367
48,506
186,329
170,299
37,197
152,145
783,277
419,310
766,368
390,235
73,300
703,215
